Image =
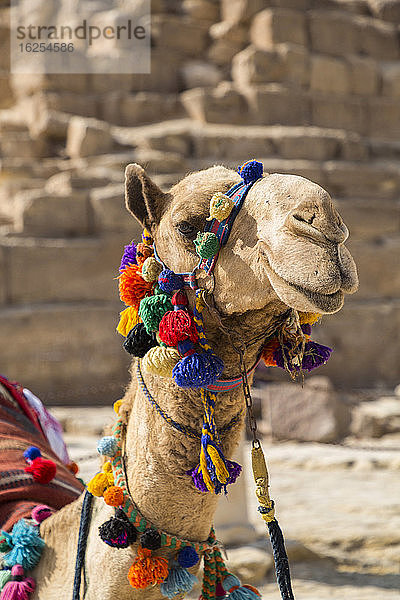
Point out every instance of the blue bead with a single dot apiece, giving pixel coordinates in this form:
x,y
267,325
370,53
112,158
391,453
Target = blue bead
x,y
107,446
250,171
32,452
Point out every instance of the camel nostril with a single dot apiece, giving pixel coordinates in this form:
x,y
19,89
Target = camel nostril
x,y
303,220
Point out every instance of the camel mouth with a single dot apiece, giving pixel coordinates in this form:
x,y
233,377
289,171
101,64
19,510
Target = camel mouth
x,y
326,303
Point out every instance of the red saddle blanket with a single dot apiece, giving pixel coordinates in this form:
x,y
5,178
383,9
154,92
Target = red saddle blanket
x,y
19,492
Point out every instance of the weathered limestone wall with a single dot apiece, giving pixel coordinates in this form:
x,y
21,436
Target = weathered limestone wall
x,y
309,87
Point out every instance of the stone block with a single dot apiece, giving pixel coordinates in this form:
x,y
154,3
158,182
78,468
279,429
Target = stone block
x,y
378,39
276,26
333,32
388,10
144,107
257,66
377,264
164,76
371,218
86,137
198,73
222,105
364,75
3,277
21,145
232,143
390,79
204,10
7,98
181,34
221,52
44,271
272,104
312,413
51,125
349,113
376,418
71,352
66,183
109,212
309,143
329,74
230,32
364,336
46,215
296,60
84,105
368,180
384,118
240,11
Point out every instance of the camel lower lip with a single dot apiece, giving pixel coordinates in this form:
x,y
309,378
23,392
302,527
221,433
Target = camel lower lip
x,y
325,302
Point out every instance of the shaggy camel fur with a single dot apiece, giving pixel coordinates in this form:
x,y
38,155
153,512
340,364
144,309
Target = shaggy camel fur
x,y
285,249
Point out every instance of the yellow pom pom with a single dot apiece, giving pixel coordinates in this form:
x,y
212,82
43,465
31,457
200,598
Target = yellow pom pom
x,y
160,361
98,484
129,318
309,318
107,470
113,496
220,207
151,269
116,406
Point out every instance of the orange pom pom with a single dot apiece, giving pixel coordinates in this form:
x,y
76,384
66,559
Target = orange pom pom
x,y
147,570
132,286
113,496
268,352
142,252
73,467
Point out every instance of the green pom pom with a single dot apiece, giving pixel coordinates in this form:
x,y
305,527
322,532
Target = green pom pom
x,y
5,541
152,309
207,244
5,577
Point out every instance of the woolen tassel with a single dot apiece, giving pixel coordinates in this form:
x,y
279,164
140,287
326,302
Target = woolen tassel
x,y
129,256
176,326
31,453
147,570
27,546
114,496
41,512
315,355
268,352
107,446
237,591
118,532
250,171
179,581
198,370
18,588
160,361
143,251
42,470
132,287
5,541
152,309
151,269
128,319
187,557
138,341
98,484
196,474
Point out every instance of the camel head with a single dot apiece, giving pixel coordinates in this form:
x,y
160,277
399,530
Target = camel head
x,y
286,246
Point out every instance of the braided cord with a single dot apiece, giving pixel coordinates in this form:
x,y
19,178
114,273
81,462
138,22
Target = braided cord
x,y
185,429
209,576
198,319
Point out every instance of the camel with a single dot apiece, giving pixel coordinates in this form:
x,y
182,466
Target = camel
x,y
286,249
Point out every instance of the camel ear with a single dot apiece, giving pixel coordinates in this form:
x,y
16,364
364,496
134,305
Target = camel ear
x,y
143,198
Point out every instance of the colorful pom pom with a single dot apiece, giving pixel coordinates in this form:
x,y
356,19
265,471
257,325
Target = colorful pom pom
x,y
236,591
19,587
151,269
220,206
207,244
268,352
73,467
132,286
129,256
160,361
176,326
234,470
179,299
5,576
198,370
169,281
98,484
250,171
107,446
114,496
179,581
138,342
128,319
42,470
309,317
118,532
27,546
143,251
41,512
146,237
5,541
147,570
187,557
315,355
151,539
152,309
31,453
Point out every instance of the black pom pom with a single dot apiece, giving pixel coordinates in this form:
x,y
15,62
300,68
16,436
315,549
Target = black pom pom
x,y
118,531
138,342
151,539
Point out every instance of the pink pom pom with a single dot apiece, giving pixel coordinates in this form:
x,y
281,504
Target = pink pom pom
x,y
41,512
19,588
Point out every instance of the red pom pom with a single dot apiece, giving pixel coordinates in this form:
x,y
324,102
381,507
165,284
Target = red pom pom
x,y
132,287
176,326
179,299
42,470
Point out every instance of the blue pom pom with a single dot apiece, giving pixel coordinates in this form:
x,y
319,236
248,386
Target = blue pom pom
x,y
169,281
198,370
230,581
31,453
250,171
27,546
188,557
107,446
178,581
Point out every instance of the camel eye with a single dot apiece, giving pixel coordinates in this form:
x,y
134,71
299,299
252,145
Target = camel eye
x,y
187,229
